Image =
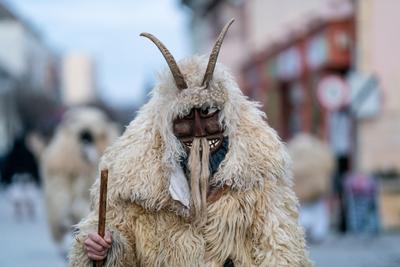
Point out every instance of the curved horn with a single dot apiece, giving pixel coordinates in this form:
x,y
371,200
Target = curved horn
x,y
214,55
176,73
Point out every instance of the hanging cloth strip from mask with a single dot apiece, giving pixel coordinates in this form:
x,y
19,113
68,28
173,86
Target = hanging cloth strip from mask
x,y
214,193
215,158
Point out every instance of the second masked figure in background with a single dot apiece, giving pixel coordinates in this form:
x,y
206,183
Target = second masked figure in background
x,y
313,167
69,168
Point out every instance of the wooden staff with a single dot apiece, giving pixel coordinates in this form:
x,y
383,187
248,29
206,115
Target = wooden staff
x,y
102,209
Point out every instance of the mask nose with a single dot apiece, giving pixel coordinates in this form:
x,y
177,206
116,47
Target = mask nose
x,y
199,129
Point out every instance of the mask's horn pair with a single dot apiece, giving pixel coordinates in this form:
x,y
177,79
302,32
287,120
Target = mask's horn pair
x,y
176,73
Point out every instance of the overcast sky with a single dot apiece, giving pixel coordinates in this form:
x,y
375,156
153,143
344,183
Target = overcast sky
x,y
109,31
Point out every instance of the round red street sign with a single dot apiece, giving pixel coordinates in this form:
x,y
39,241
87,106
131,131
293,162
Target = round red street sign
x,y
333,92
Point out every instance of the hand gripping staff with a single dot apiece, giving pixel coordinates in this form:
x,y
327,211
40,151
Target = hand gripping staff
x,y
102,209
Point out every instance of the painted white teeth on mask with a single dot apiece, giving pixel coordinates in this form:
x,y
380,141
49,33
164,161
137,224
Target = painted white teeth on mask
x,y
188,144
213,143
210,145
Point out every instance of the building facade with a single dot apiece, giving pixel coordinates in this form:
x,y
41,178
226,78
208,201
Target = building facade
x,y
327,67
378,53
207,20
26,65
78,79
379,136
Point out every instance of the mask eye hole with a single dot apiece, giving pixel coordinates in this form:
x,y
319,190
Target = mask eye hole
x,y
86,137
207,112
187,115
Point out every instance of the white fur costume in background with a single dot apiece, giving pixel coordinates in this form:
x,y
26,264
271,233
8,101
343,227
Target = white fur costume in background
x,y
254,223
313,167
67,173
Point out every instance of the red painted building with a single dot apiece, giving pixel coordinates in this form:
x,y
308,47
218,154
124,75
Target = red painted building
x,y
285,76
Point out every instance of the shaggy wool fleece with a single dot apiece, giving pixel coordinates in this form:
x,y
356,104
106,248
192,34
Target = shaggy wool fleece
x,y
254,223
313,166
67,174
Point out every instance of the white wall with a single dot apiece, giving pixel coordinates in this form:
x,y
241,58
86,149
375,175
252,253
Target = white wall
x,y
78,79
268,18
378,53
23,54
12,47
24,57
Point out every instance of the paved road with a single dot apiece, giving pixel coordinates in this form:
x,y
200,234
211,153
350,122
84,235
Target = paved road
x,y
350,251
26,243
29,244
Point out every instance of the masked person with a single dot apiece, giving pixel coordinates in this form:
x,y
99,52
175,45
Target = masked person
x,y
69,168
197,179
313,166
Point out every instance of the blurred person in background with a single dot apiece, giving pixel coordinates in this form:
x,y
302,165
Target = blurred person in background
x,y
313,166
20,159
361,196
22,193
69,167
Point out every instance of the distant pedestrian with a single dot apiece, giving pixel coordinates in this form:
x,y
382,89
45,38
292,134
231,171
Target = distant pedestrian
x,y
18,160
313,166
22,193
362,205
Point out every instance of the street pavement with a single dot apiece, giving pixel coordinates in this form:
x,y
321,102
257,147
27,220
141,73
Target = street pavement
x,y
25,242
361,251
28,243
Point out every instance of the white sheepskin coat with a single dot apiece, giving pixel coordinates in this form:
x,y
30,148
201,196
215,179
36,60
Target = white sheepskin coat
x,y
313,166
67,174
254,223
